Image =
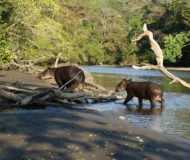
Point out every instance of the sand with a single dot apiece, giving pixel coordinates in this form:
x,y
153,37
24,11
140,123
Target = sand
x,y
79,135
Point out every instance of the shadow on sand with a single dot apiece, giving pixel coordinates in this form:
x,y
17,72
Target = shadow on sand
x,y
74,135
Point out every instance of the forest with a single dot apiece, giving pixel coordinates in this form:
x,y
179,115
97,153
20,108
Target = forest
x,y
93,32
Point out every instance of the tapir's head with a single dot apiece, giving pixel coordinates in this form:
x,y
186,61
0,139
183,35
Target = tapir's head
x,y
122,85
47,73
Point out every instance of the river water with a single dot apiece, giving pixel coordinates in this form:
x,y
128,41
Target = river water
x,y
173,119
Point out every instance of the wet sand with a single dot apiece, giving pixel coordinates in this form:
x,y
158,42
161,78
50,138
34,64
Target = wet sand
x,y
71,135
22,79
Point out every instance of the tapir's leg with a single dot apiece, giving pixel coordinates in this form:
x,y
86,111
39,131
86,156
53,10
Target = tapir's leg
x,y
140,103
162,103
152,102
71,87
80,86
128,98
59,82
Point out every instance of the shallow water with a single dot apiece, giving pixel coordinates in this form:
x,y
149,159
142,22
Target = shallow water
x,y
173,119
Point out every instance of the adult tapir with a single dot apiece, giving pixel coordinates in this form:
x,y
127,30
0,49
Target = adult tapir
x,y
142,90
63,75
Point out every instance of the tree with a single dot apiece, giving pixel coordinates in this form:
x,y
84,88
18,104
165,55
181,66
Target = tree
x,y
6,55
173,46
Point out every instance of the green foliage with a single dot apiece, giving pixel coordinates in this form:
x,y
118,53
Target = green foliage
x,y
176,17
34,33
135,24
6,56
169,22
47,7
94,53
90,31
173,45
185,17
97,33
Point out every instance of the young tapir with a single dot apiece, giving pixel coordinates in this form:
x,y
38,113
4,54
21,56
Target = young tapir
x,y
142,90
64,74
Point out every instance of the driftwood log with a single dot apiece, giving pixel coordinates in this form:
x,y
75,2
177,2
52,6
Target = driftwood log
x,y
159,58
12,97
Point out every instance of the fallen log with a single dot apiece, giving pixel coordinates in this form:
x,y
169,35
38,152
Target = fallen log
x,y
94,86
9,95
70,96
26,98
11,88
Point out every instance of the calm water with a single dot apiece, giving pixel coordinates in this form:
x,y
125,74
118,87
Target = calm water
x,y
173,119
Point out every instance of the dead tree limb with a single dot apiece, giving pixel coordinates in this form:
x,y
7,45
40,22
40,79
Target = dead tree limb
x,y
11,88
57,60
94,86
154,45
9,95
159,57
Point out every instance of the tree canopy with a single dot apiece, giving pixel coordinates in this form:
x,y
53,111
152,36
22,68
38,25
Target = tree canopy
x,y
91,31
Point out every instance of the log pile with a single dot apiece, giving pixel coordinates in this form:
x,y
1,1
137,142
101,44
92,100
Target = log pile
x,y
14,97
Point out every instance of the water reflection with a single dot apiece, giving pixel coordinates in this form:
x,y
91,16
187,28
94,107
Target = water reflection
x,y
174,118
144,111
110,81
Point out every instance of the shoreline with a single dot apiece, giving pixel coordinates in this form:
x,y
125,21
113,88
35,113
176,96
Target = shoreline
x,y
73,134
76,134
185,69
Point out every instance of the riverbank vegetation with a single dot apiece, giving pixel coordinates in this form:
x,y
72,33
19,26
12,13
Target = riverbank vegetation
x,y
92,31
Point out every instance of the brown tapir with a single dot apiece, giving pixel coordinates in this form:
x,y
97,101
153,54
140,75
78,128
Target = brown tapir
x,y
142,90
64,74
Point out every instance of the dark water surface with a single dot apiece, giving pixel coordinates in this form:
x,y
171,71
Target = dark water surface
x,y
173,119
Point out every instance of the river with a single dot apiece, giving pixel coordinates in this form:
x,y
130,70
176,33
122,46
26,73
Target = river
x,y
173,119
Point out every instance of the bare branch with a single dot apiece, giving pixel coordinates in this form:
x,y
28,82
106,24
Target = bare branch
x,y
154,45
159,58
57,60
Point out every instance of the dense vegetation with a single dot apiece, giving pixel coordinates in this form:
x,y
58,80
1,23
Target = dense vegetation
x,y
92,31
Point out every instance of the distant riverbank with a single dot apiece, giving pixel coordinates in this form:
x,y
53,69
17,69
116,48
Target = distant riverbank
x,y
130,66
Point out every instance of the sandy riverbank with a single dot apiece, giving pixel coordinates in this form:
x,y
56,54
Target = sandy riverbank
x,y
77,135
71,135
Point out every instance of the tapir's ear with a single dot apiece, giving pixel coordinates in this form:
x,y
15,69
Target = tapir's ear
x,y
124,80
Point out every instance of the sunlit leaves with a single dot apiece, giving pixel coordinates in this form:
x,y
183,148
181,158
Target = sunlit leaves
x,y
47,7
173,46
89,31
